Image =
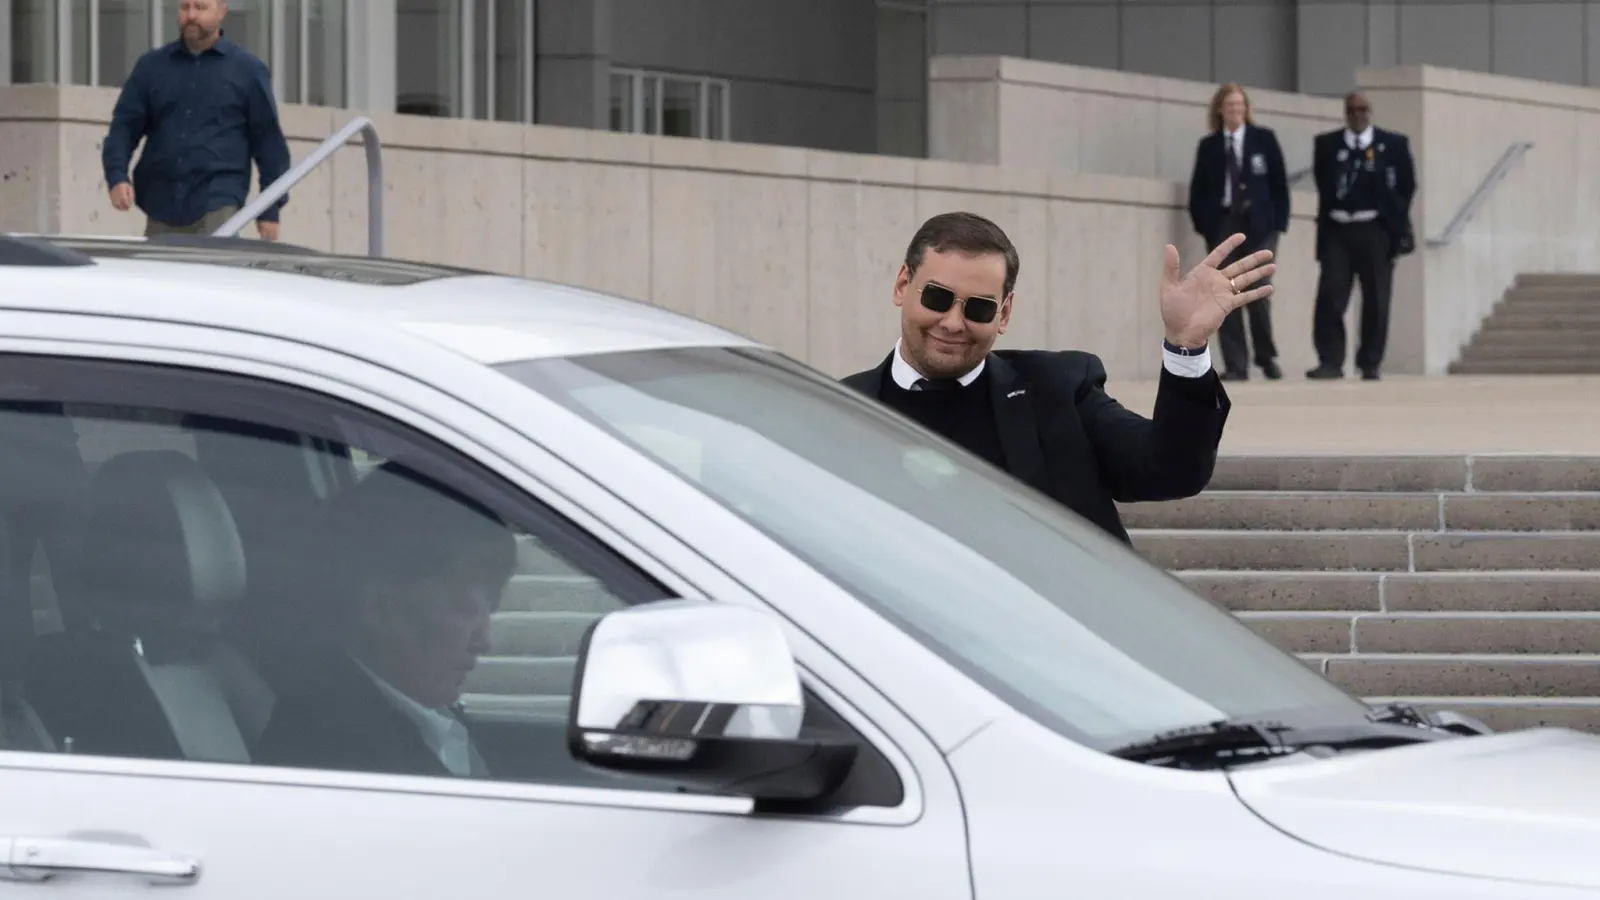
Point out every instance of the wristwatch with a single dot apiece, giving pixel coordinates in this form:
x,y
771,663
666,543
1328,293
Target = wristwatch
x,y
1182,351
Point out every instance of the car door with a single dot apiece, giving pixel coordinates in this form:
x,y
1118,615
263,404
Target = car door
x,y
209,628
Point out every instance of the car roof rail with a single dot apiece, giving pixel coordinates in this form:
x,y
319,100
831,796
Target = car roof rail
x,y
211,241
17,250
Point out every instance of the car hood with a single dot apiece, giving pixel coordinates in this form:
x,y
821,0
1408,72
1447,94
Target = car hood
x,y
1520,805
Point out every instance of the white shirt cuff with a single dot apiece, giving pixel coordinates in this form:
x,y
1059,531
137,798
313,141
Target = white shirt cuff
x,y
1186,366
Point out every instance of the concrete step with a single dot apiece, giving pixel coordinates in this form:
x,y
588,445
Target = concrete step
x,y
1556,311
1527,366
1552,302
534,558
1530,349
1570,280
1516,713
1332,510
539,634
1370,551
1449,632
1465,674
558,593
1467,591
1536,320
1538,341
1340,473
519,675
1408,473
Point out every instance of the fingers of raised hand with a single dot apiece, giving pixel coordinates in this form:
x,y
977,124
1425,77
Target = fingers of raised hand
x,y
1244,297
1244,280
1253,261
1220,252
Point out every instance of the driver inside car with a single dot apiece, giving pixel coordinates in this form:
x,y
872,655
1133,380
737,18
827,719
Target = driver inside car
x,y
417,572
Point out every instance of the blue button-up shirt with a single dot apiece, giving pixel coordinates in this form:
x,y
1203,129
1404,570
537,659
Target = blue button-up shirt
x,y
203,118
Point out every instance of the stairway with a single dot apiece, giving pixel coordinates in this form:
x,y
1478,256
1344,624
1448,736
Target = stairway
x,y
1470,583
1545,325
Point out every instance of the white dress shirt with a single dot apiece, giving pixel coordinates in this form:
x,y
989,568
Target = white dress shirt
x,y
444,734
1176,363
1358,141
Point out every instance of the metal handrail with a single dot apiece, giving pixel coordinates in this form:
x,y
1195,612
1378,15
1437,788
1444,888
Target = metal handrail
x,y
1299,175
1480,196
274,191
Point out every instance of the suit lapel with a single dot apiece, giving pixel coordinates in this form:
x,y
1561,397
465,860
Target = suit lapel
x,y
1015,420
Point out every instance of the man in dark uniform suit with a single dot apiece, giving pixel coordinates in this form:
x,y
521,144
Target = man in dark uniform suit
x,y
1044,416
1365,182
1240,184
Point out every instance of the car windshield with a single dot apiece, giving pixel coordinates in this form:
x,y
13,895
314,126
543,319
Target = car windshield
x,y
1057,618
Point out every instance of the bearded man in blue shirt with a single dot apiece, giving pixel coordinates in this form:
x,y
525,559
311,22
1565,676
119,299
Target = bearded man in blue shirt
x,y
204,108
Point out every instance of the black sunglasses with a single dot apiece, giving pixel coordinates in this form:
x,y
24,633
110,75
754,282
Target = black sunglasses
x,y
938,298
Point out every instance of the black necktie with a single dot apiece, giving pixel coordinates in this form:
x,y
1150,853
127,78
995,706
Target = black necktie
x,y
1235,176
936,384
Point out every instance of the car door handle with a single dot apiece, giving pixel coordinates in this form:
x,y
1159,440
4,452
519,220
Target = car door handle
x,y
44,858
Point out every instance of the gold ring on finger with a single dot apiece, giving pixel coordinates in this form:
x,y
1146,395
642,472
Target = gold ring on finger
x,y
1232,287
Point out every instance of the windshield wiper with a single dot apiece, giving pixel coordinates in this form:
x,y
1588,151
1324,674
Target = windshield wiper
x,y
1438,719
1228,742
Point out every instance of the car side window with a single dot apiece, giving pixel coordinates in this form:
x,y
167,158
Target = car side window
x,y
207,567
186,584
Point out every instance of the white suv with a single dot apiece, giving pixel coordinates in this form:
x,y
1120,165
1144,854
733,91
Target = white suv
x,y
349,577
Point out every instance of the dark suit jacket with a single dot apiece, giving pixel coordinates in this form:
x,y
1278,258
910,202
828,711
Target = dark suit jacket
x,y
1266,184
1397,180
1063,435
346,724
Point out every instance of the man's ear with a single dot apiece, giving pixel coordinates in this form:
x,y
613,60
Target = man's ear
x,y
902,284
1005,312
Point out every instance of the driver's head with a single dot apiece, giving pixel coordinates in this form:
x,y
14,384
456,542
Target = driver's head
x,y
424,570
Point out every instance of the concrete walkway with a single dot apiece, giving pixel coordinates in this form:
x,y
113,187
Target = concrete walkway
x,y
1405,414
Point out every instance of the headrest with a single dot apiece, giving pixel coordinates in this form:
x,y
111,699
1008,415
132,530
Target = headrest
x,y
160,537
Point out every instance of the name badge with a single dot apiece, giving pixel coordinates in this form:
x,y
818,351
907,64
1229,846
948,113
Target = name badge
x,y
1258,163
1389,175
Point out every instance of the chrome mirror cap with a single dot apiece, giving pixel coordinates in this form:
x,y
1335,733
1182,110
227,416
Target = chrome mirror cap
x,y
705,694
726,671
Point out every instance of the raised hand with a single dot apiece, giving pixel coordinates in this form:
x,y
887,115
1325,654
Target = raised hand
x,y
1193,307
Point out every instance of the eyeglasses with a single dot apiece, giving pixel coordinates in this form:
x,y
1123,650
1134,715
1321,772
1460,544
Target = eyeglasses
x,y
938,298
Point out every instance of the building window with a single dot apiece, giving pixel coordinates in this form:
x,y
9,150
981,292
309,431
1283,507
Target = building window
x,y
469,59
303,41
314,36
124,34
33,41
428,56
671,105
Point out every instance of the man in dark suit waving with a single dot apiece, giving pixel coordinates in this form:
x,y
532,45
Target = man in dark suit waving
x,y
1240,184
1365,181
1044,416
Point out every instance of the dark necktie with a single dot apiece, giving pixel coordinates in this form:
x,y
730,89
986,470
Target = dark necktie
x,y
1235,176
936,384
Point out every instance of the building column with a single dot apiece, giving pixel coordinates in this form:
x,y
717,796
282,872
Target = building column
x,y
5,42
370,55
573,62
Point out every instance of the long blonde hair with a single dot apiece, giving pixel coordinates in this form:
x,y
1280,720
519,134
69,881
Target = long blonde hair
x,y
1214,117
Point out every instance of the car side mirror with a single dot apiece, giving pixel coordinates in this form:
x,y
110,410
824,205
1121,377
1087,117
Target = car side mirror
x,y
706,695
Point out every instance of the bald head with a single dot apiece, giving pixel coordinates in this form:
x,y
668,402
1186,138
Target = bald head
x,y
1357,111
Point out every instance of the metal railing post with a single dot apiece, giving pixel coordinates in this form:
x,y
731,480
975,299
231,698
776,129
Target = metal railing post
x,y
276,190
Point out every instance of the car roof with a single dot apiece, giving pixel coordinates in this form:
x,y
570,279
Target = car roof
x,y
489,318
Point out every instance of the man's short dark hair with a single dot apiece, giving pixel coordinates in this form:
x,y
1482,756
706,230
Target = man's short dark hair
x,y
397,527
967,233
